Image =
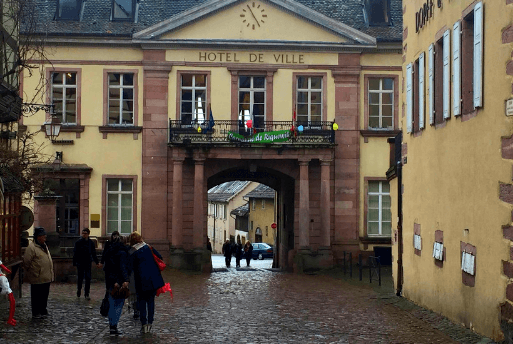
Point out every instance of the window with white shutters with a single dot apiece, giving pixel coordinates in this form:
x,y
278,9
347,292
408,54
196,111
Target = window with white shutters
x,y
478,55
456,69
446,74
409,98
421,91
431,84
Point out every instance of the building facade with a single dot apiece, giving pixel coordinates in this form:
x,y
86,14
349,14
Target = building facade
x,y
161,101
223,199
261,217
454,241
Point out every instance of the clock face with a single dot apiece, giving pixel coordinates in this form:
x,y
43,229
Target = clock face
x,y
253,15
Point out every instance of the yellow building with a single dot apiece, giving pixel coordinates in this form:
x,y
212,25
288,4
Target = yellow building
x,y
261,215
454,241
161,101
222,200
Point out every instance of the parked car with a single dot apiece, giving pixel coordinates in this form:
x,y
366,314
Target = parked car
x,y
262,250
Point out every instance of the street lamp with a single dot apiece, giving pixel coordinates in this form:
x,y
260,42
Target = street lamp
x,y
53,126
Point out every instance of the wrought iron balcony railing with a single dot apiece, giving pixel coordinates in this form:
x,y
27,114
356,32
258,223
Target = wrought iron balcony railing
x,y
227,132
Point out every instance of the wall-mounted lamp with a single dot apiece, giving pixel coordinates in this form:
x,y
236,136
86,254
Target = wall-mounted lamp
x,y
52,127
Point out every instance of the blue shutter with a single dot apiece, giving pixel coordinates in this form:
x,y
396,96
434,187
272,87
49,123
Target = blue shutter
x,y
446,74
456,69
421,91
431,90
409,98
478,55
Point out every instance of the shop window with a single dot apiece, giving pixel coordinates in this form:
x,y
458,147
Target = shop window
x,y
123,9
64,96
120,205
379,216
193,98
309,100
69,9
121,99
252,96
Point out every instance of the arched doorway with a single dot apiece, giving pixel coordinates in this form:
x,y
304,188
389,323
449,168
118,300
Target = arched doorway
x,y
282,183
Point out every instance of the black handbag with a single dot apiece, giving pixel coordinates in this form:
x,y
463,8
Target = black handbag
x,y
104,307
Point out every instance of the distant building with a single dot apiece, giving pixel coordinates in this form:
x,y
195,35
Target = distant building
x,y
262,214
222,200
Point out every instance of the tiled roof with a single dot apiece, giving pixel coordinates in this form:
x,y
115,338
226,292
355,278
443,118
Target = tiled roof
x,y
243,210
223,192
261,191
96,17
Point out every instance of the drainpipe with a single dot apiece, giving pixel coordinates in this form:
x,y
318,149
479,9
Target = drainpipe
x,y
399,216
399,230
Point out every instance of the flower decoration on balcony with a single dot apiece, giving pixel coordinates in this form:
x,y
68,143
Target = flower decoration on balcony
x,y
335,126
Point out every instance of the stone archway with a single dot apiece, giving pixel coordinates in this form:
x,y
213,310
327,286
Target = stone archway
x,y
283,184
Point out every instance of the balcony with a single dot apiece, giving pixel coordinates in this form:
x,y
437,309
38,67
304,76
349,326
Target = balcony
x,y
266,133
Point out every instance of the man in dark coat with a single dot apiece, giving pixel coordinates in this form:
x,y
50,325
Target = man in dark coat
x,y
84,253
238,253
227,252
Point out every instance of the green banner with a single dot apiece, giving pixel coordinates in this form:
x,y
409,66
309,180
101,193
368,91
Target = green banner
x,y
263,137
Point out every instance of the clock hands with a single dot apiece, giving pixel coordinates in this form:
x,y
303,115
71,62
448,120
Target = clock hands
x,y
253,15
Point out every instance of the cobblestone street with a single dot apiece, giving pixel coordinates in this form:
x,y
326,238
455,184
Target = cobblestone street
x,y
252,305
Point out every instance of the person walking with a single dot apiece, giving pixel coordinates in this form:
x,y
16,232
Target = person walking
x,y
248,252
84,253
147,279
238,253
227,252
116,277
38,265
209,245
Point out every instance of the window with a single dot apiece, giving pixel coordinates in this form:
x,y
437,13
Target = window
x,y
263,204
252,100
377,12
471,59
379,216
123,9
309,100
253,204
69,9
381,103
193,98
120,205
121,99
64,96
439,80
266,231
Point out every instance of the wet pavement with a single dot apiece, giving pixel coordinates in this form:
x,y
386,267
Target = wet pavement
x,y
247,305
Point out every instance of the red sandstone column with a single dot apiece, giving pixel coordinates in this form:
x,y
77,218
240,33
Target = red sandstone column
x,y
176,222
325,203
347,151
154,193
199,216
304,205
